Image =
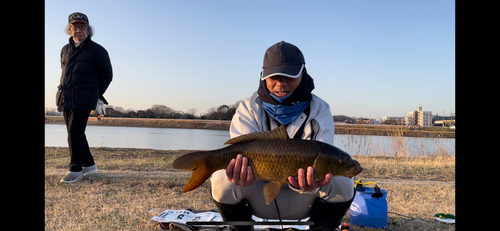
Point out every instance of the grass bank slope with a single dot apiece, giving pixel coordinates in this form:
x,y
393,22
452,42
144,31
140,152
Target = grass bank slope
x,y
133,185
225,124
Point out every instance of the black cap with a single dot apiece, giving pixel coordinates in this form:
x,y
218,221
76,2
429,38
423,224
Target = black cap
x,y
283,59
78,17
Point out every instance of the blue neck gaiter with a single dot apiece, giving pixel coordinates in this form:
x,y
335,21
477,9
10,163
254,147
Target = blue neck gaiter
x,y
284,114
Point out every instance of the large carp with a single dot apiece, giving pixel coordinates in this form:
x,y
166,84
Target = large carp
x,y
273,157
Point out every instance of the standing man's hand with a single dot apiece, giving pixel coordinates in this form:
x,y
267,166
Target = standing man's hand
x,y
307,183
101,108
239,172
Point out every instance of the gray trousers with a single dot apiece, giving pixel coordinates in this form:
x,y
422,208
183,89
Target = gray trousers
x,y
292,205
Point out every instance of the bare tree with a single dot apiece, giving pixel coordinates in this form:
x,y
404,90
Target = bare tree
x,y
119,109
237,104
223,108
211,110
192,111
161,111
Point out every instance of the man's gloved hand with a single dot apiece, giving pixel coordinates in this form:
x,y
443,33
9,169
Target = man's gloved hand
x,y
101,108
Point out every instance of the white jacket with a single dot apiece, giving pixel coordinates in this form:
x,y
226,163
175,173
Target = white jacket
x,y
251,117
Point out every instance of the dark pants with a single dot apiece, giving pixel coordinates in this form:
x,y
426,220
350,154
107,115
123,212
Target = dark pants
x,y
76,122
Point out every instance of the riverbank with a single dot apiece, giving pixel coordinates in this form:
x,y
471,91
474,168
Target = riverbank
x,y
224,125
133,185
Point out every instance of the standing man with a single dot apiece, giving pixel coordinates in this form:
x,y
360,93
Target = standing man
x,y
86,74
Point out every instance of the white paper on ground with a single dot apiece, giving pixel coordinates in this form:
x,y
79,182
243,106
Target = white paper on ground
x,y
183,216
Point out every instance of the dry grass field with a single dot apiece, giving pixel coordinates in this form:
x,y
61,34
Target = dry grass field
x,y
133,185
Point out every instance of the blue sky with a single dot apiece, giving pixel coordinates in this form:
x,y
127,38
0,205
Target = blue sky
x,y
367,58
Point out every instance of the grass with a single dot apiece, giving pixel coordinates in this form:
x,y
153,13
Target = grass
x,y
397,145
153,123
429,169
134,185
379,130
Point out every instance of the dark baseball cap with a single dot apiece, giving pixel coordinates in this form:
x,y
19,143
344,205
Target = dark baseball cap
x,y
78,17
283,59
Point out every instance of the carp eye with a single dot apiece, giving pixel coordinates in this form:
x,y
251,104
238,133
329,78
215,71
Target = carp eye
x,y
341,162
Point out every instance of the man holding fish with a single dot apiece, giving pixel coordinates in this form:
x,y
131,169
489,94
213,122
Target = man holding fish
x,y
281,163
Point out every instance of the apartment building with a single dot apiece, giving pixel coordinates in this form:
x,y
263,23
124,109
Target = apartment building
x,y
424,118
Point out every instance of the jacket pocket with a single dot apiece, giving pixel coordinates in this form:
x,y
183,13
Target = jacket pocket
x,y
86,96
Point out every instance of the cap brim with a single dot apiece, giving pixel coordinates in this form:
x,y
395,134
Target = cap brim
x,y
78,21
291,71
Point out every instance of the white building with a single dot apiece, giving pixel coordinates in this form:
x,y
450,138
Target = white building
x,y
424,118
397,120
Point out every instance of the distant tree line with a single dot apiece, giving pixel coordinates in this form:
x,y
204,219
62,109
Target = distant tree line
x,y
158,111
343,119
222,112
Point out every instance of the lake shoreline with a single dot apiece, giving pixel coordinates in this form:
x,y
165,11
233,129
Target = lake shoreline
x,y
375,130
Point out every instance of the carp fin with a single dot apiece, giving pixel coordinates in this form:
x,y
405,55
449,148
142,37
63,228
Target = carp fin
x,y
271,191
193,161
278,133
321,167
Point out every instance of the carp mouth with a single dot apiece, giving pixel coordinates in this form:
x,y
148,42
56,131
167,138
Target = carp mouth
x,y
354,171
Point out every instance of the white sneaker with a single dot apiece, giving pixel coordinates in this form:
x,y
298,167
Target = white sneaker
x,y
72,177
89,170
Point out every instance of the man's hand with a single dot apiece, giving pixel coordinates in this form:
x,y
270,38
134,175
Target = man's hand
x,y
307,183
100,108
239,172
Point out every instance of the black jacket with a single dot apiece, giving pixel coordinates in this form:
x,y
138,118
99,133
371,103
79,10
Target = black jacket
x,y
86,74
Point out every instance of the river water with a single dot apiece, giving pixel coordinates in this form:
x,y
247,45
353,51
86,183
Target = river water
x,y
203,139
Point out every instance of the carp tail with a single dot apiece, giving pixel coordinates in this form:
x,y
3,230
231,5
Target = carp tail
x,y
193,161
